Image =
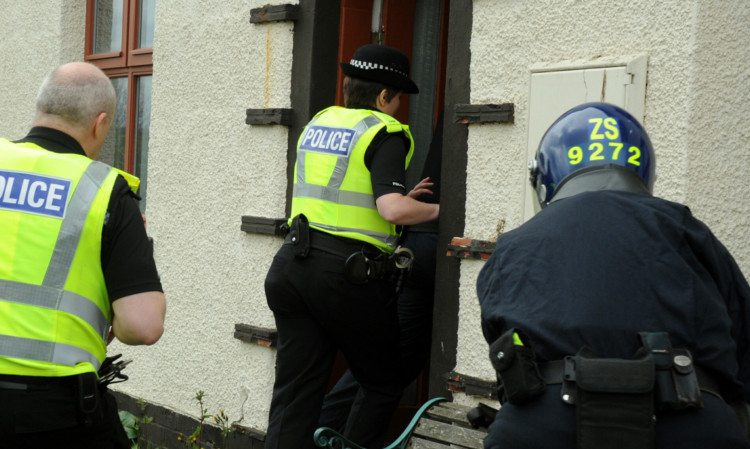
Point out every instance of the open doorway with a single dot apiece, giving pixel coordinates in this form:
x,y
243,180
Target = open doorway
x,y
419,29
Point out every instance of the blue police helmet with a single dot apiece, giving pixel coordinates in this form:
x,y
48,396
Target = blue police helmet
x,y
588,137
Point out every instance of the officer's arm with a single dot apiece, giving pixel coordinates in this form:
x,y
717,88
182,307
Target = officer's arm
x,y
402,209
387,161
139,318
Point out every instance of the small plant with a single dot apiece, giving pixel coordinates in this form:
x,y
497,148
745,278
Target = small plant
x,y
131,428
195,440
135,427
226,428
142,421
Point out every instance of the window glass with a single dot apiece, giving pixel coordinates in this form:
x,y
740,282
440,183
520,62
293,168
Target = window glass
x,y
113,150
108,26
120,37
146,24
143,122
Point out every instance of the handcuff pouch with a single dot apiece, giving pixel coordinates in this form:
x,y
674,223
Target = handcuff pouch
x,y
88,397
513,358
299,235
687,390
677,385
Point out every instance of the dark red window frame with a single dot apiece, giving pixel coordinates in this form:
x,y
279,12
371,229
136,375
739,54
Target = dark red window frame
x,y
130,62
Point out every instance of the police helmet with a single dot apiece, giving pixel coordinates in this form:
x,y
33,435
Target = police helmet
x,y
589,137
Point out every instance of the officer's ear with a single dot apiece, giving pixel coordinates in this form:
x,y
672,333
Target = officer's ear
x,y
101,125
382,99
98,133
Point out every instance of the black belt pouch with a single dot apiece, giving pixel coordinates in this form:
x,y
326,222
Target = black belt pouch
x,y
514,360
615,406
676,380
685,380
299,234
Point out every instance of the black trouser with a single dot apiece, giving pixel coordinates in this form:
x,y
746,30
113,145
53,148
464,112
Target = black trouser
x,y
45,415
317,311
547,422
415,329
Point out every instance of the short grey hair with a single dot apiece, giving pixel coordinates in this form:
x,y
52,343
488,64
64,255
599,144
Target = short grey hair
x,y
76,99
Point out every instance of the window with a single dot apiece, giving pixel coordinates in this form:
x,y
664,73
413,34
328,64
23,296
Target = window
x,y
120,40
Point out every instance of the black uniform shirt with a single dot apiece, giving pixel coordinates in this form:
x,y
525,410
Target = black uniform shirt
x,y
386,159
596,268
127,254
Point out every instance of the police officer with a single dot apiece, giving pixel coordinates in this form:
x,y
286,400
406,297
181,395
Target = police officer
x,y
76,269
329,285
614,318
415,301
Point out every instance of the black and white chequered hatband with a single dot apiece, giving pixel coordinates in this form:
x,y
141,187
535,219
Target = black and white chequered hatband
x,y
383,64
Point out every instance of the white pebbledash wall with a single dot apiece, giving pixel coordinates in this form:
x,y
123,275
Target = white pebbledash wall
x,y
697,101
35,37
207,168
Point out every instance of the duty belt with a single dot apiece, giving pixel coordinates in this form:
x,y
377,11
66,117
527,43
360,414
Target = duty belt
x,y
554,372
32,383
331,244
362,261
615,399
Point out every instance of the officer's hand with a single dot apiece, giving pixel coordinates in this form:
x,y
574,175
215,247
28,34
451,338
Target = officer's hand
x,y
421,188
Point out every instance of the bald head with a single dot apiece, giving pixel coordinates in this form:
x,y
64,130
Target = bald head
x,y
76,93
75,97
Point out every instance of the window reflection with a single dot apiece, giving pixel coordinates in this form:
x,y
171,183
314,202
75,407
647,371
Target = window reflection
x,y
146,24
108,26
113,150
143,122
123,50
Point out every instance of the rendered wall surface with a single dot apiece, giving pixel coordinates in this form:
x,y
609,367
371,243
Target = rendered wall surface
x,y
35,37
718,162
696,103
207,168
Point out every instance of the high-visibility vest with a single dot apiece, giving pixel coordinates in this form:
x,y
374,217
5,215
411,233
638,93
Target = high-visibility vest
x,y
55,314
332,185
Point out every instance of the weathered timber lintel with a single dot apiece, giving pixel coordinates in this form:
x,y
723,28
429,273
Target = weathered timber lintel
x,y
470,386
271,116
465,248
262,225
483,113
274,13
253,334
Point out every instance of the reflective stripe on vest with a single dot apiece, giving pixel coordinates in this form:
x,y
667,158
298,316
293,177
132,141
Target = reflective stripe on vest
x,y
334,195
54,298
390,240
45,351
51,294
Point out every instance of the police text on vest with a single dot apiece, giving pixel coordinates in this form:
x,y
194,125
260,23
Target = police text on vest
x,y
33,193
323,139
